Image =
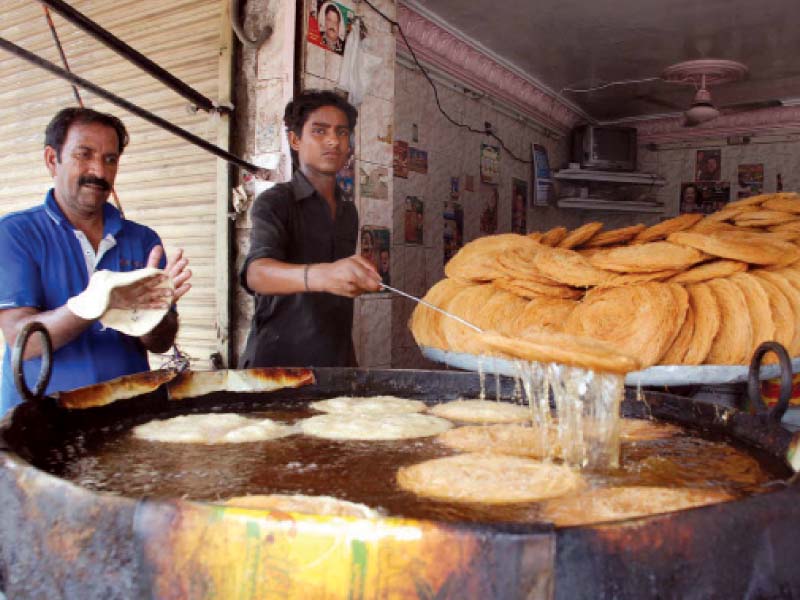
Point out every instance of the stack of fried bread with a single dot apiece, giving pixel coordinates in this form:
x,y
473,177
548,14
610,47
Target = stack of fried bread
x,y
690,290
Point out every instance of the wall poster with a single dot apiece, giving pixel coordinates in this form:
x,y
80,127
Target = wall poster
x,y
542,181
704,197
400,159
491,199
709,165
453,215
414,220
490,164
519,205
751,180
376,247
417,160
328,25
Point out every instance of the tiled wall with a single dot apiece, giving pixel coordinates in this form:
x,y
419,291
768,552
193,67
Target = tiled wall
x,y
676,162
452,152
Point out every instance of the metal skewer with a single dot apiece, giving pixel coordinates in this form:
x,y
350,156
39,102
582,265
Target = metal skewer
x,y
436,308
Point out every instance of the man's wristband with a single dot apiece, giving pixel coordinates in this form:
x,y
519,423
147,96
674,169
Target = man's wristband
x,y
305,276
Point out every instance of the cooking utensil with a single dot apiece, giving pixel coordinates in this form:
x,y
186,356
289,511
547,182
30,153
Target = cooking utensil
x,y
429,305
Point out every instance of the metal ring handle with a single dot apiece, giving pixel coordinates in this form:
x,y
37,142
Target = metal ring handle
x,y
47,361
754,384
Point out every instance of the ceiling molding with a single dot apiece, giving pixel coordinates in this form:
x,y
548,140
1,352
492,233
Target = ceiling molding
x,y
437,46
768,120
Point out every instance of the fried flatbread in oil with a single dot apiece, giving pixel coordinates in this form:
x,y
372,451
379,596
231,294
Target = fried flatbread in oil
x,y
488,478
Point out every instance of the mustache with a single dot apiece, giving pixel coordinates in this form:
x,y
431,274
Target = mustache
x,y
90,180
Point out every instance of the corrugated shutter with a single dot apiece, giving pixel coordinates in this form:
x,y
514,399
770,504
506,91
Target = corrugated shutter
x,y
163,181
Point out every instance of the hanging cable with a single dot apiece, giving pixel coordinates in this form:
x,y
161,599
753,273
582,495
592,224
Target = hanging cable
x,y
259,172
75,91
486,131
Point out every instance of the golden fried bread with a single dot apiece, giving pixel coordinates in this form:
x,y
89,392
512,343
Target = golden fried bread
x,y
614,236
706,314
661,230
709,270
646,258
734,340
578,236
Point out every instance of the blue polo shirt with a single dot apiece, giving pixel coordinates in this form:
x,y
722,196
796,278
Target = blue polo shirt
x,y
42,264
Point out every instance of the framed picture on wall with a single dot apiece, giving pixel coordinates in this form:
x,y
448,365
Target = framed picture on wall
x,y
709,165
376,246
328,25
541,176
490,164
453,228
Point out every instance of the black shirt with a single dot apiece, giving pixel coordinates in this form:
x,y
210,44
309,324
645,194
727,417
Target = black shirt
x,y
292,223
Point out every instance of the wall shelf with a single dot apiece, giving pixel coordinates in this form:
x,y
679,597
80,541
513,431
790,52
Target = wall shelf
x,y
611,205
610,176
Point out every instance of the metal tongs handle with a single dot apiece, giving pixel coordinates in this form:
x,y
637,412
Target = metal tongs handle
x,y
436,308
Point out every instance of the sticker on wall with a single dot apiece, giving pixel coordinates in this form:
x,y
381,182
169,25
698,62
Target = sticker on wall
x,y
345,177
490,164
751,180
328,25
417,160
454,184
491,199
704,197
453,229
709,165
376,247
469,183
519,205
374,182
540,171
414,220
400,161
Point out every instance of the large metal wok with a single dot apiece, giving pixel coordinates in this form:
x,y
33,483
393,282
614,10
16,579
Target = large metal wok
x,y
62,540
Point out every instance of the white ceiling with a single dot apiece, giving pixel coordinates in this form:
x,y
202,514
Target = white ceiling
x,y
588,43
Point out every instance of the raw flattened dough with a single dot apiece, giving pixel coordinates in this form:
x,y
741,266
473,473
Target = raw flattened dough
x,y
212,428
373,405
92,303
374,427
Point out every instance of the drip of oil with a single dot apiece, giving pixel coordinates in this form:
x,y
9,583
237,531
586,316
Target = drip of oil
x,y
586,419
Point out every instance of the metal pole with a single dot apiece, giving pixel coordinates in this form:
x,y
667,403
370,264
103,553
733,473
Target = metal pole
x,y
140,112
117,45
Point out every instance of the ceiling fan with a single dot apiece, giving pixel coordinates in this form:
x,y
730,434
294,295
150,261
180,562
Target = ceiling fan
x,y
702,74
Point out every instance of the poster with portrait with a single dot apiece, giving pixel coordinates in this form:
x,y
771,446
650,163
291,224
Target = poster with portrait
x,y
328,25
453,216
414,220
519,205
704,197
750,180
709,165
541,175
417,160
376,247
490,164
491,199
374,181
400,159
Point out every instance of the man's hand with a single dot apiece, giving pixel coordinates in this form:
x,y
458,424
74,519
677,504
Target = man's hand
x,y
350,277
176,270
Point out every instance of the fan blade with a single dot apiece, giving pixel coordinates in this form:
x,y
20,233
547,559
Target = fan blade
x,y
747,106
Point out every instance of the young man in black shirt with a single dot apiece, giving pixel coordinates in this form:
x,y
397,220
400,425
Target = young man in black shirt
x,y
302,267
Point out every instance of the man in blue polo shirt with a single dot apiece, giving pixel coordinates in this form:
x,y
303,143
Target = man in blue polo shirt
x,y
49,252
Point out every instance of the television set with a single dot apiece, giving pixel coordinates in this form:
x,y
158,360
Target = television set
x,y
604,148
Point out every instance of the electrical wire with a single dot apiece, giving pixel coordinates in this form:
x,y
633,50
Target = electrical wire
x,y
469,128
607,85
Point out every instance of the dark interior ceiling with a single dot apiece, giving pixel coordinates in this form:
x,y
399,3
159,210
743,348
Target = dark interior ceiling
x,y
589,43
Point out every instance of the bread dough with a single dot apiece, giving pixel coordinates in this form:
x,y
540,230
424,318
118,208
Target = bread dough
x,y
374,405
93,302
374,427
212,428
